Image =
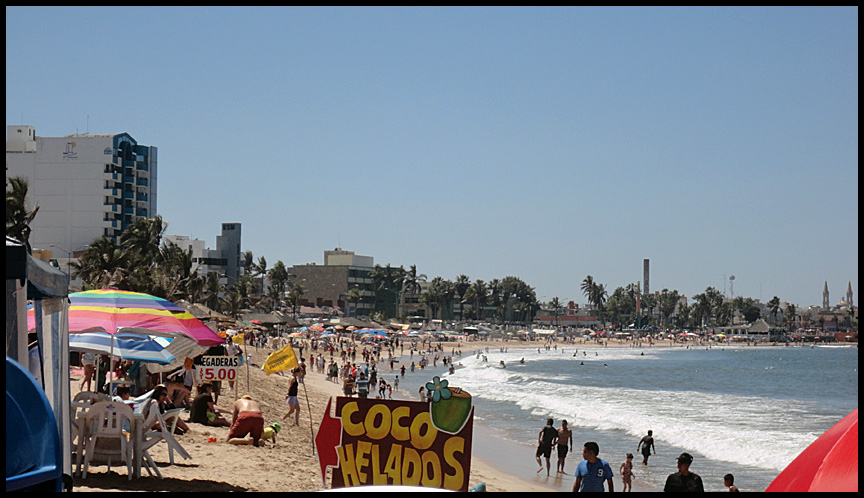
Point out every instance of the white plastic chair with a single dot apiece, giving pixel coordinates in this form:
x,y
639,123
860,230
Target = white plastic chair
x,y
83,401
151,437
105,434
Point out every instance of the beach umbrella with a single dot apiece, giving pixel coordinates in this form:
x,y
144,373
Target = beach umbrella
x,y
181,347
829,464
117,311
351,328
125,346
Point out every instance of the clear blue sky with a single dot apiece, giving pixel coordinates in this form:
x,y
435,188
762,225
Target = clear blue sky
x,y
544,143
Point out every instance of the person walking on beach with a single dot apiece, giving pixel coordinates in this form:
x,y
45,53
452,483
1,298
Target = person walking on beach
x,y
647,443
592,472
565,442
546,439
626,471
291,397
684,480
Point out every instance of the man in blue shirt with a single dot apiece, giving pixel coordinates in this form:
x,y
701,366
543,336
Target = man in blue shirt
x,y
592,472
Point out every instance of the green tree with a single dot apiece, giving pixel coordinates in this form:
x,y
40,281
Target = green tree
x,y
774,308
103,264
18,215
555,305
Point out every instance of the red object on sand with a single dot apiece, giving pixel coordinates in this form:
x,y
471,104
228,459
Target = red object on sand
x,y
829,464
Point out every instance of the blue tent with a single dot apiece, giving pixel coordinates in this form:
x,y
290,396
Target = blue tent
x,y
34,455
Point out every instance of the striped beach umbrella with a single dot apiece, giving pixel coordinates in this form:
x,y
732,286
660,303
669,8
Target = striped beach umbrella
x,y
127,347
117,311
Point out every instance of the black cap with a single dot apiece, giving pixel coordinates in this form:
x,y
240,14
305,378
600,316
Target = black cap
x,y
685,458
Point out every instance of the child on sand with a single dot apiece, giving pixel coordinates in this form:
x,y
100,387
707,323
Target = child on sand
x,y
627,473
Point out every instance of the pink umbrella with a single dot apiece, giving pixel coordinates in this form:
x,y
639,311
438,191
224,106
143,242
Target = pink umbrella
x,y
829,464
112,311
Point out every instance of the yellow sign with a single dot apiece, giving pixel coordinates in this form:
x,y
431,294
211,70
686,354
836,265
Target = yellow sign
x,y
284,359
238,339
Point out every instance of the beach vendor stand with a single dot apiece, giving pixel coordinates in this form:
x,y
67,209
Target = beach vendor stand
x,y
28,278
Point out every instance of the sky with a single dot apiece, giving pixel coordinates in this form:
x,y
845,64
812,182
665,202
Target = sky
x,y
544,143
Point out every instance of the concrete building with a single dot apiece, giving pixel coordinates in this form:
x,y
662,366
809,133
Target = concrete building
x,y
327,285
224,260
86,185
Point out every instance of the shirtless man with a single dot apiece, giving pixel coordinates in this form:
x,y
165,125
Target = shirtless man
x,y
565,442
647,443
247,419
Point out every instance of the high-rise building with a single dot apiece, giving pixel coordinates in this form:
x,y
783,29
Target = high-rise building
x,y
224,260
86,185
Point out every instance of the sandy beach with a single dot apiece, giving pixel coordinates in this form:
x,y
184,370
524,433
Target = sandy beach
x,y
290,464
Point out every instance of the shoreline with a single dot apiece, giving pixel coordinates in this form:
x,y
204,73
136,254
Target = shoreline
x,y
291,465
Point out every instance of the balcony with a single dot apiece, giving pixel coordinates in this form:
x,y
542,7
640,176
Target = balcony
x,y
115,177
142,182
140,197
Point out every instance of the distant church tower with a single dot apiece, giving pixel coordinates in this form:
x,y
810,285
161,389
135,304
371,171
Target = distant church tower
x,y
825,302
849,296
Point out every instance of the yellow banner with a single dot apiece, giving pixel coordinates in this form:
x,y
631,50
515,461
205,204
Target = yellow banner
x,y
238,339
284,359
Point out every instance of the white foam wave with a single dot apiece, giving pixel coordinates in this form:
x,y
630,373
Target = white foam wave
x,y
742,429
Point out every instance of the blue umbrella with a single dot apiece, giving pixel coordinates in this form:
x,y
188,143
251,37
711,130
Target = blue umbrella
x,y
126,346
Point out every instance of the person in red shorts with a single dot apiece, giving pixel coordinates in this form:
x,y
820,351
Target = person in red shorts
x,y
248,419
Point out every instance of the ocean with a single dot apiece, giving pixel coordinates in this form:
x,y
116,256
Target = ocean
x,y
748,411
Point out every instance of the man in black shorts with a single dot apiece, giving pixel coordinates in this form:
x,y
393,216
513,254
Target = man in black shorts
x,y
647,443
565,442
546,439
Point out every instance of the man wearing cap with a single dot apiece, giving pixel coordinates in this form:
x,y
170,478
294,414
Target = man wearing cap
x,y
684,480
247,419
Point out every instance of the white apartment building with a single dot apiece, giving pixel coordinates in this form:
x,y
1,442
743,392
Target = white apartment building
x,y
86,185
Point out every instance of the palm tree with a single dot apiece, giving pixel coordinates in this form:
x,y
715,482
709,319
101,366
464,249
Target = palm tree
x,y
18,217
588,287
480,295
103,264
211,291
294,297
354,296
144,237
555,304
279,276
248,262
774,307
233,302
495,297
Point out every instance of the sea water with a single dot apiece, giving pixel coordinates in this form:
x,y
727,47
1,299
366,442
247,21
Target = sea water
x,y
748,411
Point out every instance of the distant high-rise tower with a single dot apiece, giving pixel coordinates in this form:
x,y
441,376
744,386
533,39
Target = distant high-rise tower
x,y
849,296
645,276
826,303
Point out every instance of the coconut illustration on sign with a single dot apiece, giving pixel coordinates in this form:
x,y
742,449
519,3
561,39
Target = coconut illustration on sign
x,y
450,406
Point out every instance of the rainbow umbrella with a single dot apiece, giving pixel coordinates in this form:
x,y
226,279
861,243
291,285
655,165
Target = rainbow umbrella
x,y
117,311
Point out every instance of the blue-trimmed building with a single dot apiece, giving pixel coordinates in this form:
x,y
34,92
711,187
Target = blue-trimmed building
x,y
86,186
